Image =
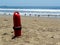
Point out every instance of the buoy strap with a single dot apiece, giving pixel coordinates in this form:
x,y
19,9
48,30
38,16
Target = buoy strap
x,y
17,28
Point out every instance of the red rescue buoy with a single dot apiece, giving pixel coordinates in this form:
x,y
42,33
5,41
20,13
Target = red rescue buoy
x,y
17,24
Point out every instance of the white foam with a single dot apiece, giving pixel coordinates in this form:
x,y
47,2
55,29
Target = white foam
x,y
46,11
51,10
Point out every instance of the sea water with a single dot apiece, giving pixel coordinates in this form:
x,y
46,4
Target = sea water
x,y
42,11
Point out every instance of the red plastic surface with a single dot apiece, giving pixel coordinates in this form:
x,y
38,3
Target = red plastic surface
x,y
17,23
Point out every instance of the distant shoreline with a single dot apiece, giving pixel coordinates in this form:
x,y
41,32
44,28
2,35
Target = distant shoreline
x,y
31,7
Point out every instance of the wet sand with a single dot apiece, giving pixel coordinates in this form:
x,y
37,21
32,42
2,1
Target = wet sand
x,y
35,31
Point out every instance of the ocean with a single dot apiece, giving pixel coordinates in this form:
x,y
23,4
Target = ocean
x,y
42,11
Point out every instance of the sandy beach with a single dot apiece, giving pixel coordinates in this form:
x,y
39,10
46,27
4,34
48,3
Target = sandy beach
x,y
35,31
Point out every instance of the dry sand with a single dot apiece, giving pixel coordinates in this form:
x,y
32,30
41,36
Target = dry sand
x,y
35,31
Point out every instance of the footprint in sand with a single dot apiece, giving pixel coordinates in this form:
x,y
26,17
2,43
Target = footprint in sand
x,y
5,34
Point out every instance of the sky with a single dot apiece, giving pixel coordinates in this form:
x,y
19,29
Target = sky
x,y
29,2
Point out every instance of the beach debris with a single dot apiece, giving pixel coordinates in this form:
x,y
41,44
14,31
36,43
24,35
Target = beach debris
x,y
52,37
12,32
17,24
